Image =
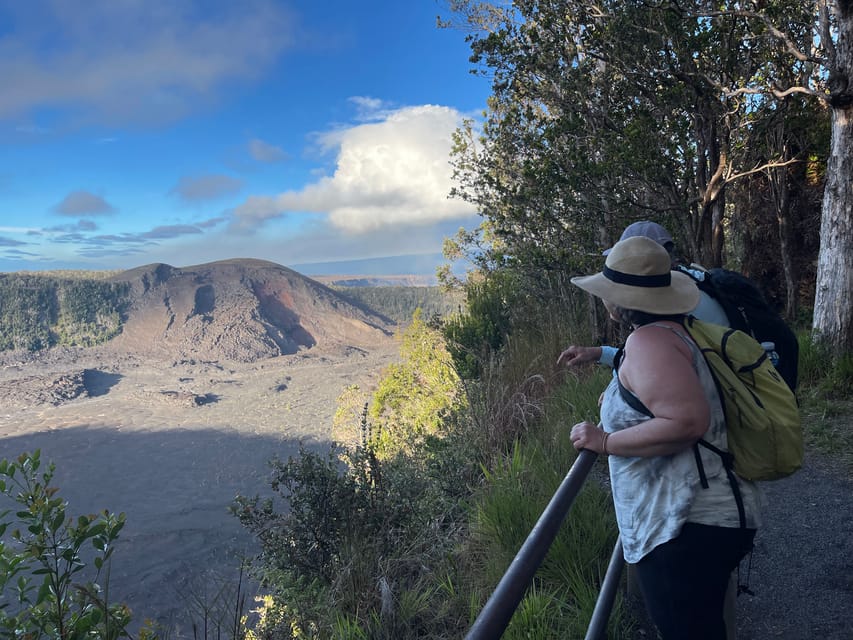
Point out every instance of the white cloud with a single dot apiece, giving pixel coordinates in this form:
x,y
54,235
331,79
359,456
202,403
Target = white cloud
x,y
392,172
132,61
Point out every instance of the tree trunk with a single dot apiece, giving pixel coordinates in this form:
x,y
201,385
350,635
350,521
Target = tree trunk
x,y
780,189
833,308
783,206
718,238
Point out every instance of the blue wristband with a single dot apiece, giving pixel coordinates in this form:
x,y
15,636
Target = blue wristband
x,y
608,355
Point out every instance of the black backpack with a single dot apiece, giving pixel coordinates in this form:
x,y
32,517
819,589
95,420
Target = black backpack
x,y
748,311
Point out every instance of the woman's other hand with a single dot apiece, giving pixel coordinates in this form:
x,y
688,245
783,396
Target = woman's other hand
x,y
574,356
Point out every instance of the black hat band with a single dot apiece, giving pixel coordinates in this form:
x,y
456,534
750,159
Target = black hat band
x,y
653,281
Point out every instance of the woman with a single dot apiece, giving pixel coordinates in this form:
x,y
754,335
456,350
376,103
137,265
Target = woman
x,y
684,539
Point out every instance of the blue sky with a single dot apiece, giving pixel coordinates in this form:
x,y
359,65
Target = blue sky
x,y
297,131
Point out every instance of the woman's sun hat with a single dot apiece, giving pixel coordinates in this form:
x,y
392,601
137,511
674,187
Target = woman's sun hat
x,y
637,276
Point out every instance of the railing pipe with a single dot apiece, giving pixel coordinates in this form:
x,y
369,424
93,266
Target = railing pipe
x,y
495,616
607,595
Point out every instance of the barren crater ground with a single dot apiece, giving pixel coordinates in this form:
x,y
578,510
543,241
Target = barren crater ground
x,y
218,369
170,443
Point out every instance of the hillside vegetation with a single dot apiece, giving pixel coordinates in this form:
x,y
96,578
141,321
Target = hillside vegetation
x,y
41,311
399,303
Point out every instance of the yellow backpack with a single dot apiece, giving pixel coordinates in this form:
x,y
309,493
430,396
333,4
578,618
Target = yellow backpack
x,y
763,427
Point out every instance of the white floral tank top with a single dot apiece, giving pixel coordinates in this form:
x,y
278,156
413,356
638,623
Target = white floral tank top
x,y
654,496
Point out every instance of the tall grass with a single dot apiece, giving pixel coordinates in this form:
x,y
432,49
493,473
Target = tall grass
x,y
825,390
513,498
529,406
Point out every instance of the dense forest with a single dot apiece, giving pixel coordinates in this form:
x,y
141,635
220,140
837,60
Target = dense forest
x,y
399,303
41,311
722,121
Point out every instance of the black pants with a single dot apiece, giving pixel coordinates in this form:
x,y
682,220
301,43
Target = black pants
x,y
684,581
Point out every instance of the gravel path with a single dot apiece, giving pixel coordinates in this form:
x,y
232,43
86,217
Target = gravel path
x,y
802,566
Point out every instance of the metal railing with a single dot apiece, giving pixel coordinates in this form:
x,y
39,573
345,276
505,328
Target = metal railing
x,y
499,609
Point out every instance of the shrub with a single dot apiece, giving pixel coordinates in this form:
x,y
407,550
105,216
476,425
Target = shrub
x,y
42,561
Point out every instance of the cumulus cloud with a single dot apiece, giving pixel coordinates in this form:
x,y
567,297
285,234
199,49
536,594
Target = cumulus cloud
x,y
79,203
370,109
395,171
265,152
209,187
133,61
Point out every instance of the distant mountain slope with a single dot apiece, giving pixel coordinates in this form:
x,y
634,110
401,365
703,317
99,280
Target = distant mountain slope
x,y
241,310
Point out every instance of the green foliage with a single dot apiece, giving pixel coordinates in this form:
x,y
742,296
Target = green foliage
x,y
516,492
37,312
352,543
417,397
406,534
42,553
483,327
400,303
602,115
825,388
824,373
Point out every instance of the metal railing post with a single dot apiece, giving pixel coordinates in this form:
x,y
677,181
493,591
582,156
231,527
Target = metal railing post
x,y
495,616
607,595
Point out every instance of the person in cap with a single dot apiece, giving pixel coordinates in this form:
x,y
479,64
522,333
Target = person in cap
x,y
706,309
648,229
684,540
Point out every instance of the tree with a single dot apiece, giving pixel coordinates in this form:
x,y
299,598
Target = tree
x,y
833,313
418,397
816,49
603,114
608,112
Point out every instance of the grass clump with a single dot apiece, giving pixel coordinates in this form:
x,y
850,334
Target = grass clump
x,y
826,385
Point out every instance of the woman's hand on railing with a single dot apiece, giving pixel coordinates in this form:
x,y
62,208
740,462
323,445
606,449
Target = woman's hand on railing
x,y
589,436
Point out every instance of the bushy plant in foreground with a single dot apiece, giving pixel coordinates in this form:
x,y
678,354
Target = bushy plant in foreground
x,y
42,561
352,547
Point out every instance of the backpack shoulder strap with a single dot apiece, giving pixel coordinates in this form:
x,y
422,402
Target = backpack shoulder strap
x,y
630,399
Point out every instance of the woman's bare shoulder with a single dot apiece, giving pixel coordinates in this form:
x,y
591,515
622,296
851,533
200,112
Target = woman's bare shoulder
x,y
656,341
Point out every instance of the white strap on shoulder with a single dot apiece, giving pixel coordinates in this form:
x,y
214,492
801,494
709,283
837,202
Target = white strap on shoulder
x,y
685,338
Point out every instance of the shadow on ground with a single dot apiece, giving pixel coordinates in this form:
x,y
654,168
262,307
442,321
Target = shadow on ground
x,y
99,383
180,546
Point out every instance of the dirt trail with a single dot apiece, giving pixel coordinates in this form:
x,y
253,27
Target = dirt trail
x,y
802,568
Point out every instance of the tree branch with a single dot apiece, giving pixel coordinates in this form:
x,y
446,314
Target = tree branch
x,y
763,167
777,33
